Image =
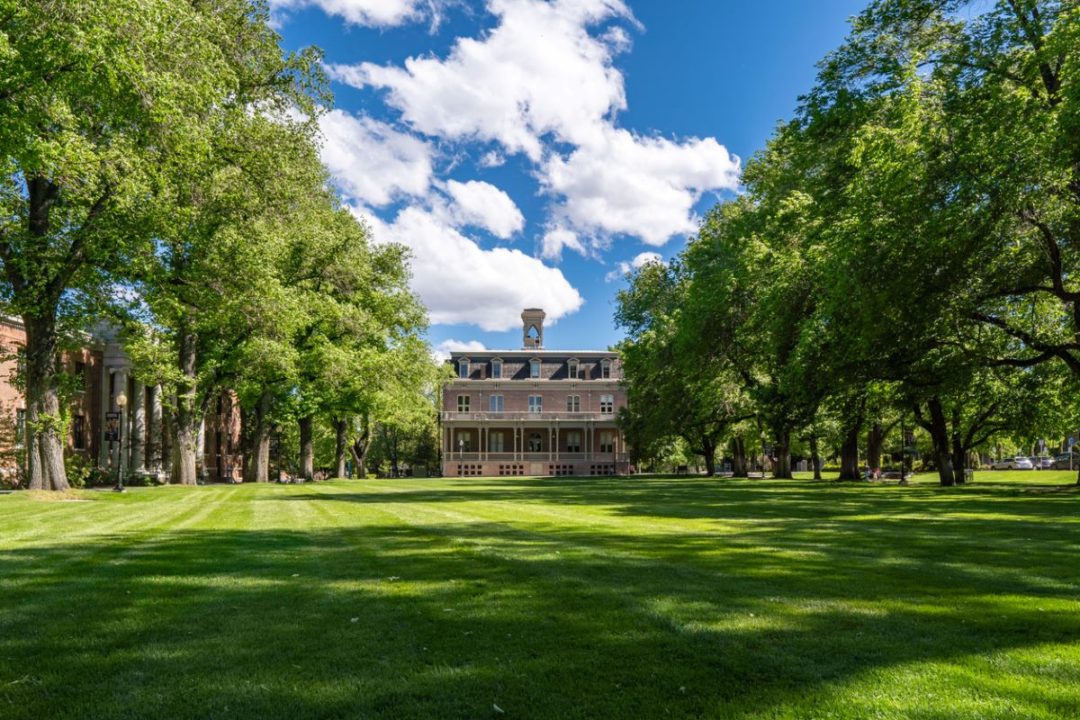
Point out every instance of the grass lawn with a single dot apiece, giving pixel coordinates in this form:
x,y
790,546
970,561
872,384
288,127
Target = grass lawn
x,y
644,597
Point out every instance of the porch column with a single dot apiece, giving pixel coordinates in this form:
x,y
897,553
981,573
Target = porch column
x,y
106,405
138,428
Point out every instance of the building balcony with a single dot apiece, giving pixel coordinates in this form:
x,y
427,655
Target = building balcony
x,y
493,417
596,457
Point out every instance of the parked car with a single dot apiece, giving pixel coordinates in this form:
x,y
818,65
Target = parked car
x,y
1043,462
1066,461
1014,463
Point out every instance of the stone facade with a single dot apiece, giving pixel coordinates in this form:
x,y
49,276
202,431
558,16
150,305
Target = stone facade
x,y
533,411
101,370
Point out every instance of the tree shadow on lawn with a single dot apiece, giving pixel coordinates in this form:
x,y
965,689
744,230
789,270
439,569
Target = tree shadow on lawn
x,y
544,620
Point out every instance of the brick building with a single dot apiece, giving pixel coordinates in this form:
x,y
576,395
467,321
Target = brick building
x,y
101,370
533,411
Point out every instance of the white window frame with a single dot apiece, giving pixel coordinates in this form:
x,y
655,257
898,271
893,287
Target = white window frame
x,y
536,368
494,400
496,441
573,441
607,442
496,368
463,403
573,368
605,369
464,369
607,404
573,403
536,404
467,437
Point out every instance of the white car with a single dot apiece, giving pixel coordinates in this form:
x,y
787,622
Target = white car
x,y
1016,463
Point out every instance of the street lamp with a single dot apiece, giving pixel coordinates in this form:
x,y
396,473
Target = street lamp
x,y
121,402
461,447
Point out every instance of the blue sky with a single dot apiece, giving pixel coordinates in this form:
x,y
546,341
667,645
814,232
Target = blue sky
x,y
530,152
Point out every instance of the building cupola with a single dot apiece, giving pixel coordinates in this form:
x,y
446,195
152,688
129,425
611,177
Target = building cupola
x,y
532,328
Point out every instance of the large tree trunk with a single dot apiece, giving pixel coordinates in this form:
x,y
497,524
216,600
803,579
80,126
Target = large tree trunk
x,y
939,435
708,451
738,457
341,446
258,465
815,456
186,437
849,455
44,442
307,447
359,448
782,467
959,454
875,439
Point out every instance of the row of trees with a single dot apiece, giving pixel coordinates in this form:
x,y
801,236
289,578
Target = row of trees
x,y
161,169
906,247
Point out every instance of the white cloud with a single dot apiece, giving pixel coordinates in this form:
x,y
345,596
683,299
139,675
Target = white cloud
x,y
554,240
374,13
442,350
372,162
641,186
460,282
639,261
538,72
483,205
492,159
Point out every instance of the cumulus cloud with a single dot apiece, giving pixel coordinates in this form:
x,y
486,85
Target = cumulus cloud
x,y
373,13
554,240
483,205
538,72
372,162
640,186
626,267
460,282
442,350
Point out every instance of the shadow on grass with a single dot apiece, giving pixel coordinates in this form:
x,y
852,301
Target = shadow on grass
x,y
544,618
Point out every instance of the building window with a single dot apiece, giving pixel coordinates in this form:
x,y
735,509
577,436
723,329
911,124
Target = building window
x,y
464,441
463,403
573,403
607,441
495,403
496,369
463,368
534,368
536,404
605,369
20,427
536,442
78,432
495,442
573,441
607,404
572,367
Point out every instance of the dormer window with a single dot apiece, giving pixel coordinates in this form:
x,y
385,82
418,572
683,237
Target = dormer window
x,y
463,368
605,369
496,368
572,368
534,368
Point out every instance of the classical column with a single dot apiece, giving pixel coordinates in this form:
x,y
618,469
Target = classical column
x,y
154,444
138,428
200,451
106,405
120,386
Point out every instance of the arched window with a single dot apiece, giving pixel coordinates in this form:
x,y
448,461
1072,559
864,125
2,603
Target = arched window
x,y
536,442
496,368
534,368
572,368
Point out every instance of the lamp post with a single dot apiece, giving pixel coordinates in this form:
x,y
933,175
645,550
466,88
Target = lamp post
x,y
121,402
461,448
